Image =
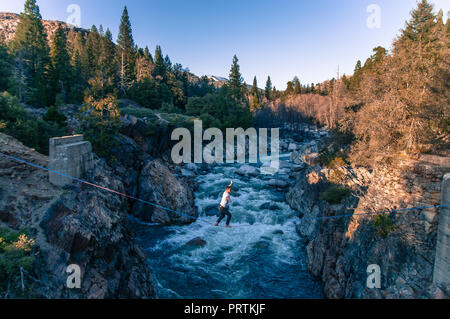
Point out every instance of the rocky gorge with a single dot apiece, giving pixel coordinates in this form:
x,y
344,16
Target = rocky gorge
x,y
339,250
280,248
88,226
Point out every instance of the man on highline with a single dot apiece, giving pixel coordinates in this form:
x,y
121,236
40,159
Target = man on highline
x,y
223,207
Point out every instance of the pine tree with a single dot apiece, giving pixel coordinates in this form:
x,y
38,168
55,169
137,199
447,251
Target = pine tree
x,y
255,96
144,65
268,89
76,47
357,67
421,24
89,55
100,31
80,67
31,50
421,61
5,67
160,69
168,63
289,89
447,27
126,52
356,78
61,71
147,54
78,80
236,81
108,66
91,60
297,86
405,95
245,92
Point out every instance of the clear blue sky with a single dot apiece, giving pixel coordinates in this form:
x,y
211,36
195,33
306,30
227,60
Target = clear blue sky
x,y
307,38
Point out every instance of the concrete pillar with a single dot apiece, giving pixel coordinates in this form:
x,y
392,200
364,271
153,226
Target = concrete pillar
x,y
441,276
69,155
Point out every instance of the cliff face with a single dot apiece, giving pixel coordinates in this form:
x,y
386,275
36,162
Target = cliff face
x,y
9,22
339,250
75,225
87,226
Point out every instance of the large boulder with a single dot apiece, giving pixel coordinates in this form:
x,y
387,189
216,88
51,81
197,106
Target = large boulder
x,y
138,129
297,158
309,223
292,147
196,243
312,159
126,152
304,194
247,170
159,186
278,183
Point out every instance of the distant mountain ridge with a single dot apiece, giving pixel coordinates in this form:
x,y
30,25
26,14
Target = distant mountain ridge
x,y
217,81
9,22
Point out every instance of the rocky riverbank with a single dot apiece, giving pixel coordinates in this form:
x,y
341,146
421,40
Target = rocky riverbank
x,y
82,225
259,257
403,245
77,224
87,226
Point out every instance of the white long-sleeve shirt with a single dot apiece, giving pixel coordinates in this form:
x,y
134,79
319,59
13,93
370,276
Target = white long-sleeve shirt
x,y
225,199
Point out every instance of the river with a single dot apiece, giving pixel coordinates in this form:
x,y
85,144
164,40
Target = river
x,y
261,256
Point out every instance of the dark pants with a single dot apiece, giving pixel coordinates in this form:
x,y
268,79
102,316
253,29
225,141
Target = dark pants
x,y
224,211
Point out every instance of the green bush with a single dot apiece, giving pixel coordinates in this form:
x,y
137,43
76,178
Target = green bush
x,y
15,252
336,174
54,116
325,156
334,194
27,128
100,121
223,110
179,120
150,93
383,224
336,162
169,108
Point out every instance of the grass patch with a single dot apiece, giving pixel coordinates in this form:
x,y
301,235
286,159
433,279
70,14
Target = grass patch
x,y
179,120
383,225
140,112
154,123
15,252
174,119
